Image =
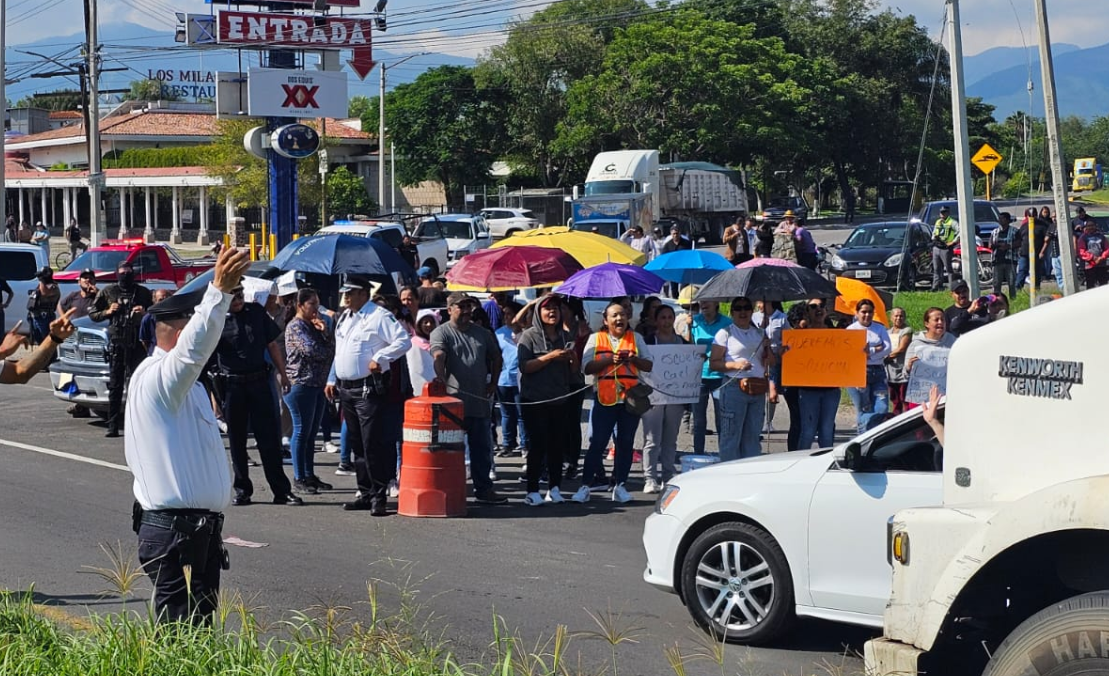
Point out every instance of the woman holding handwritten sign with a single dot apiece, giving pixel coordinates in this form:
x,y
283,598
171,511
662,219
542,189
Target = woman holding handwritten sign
x,y
662,422
873,399
741,352
926,360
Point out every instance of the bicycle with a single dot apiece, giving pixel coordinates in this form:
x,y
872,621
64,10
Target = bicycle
x,y
62,260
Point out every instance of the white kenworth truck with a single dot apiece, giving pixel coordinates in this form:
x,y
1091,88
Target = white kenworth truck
x,y
1010,575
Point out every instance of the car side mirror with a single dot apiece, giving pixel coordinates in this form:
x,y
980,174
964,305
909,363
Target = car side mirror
x,y
853,458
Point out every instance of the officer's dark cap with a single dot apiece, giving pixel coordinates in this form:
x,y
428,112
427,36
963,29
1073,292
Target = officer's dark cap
x,y
87,273
354,283
181,306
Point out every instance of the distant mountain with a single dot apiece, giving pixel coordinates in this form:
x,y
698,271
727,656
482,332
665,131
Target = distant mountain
x,y
121,39
1081,82
981,66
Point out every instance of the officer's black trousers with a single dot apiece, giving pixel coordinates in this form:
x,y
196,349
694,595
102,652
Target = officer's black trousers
x,y
251,405
174,600
122,361
373,444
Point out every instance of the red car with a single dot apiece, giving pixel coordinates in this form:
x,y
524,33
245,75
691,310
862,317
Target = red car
x,y
155,264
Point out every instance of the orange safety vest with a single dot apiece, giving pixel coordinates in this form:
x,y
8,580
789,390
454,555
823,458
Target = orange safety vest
x,y
611,386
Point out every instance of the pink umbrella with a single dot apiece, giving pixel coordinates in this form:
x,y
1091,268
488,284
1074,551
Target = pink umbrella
x,y
772,262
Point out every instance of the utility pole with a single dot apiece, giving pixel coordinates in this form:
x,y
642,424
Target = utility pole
x,y
381,132
964,187
96,178
1055,154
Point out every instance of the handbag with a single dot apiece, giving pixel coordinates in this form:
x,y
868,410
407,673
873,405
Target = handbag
x,y
637,398
754,386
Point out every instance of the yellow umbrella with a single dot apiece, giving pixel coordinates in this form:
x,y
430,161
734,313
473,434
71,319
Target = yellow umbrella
x,y
588,248
852,291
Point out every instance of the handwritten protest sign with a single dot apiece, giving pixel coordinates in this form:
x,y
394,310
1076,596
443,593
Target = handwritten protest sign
x,y
676,375
824,358
929,369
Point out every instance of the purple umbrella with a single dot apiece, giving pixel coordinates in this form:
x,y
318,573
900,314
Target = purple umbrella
x,y
609,280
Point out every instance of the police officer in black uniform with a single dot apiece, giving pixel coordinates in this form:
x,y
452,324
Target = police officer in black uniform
x,y
249,400
122,304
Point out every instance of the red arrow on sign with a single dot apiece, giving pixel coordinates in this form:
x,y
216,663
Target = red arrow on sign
x,y
363,61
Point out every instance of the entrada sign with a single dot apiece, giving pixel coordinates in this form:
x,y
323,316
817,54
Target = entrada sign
x,y
288,30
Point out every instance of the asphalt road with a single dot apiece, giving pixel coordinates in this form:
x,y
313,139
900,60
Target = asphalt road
x,y
67,492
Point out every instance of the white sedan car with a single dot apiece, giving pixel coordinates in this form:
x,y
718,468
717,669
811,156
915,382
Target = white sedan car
x,y
750,545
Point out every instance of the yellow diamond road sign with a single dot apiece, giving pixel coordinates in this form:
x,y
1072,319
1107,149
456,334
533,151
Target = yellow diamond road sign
x,y
986,158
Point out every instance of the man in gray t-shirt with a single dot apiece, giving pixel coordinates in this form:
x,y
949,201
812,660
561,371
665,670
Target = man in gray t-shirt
x,y
468,360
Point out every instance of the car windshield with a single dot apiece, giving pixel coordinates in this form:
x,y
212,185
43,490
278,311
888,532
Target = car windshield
x,y
983,212
875,237
602,228
98,260
609,187
456,229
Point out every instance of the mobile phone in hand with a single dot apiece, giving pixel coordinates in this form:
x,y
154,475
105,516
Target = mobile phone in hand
x,y
568,346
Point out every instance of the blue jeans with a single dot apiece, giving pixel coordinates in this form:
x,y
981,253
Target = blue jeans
x,y
701,412
306,408
512,418
818,416
741,419
479,442
604,420
1057,269
872,400
1023,270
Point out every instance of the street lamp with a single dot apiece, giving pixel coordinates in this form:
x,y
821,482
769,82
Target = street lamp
x,y
381,130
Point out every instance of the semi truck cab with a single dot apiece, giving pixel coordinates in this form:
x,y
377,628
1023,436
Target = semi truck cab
x,y
1007,577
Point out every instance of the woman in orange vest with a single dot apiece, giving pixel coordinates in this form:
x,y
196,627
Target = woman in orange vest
x,y
614,356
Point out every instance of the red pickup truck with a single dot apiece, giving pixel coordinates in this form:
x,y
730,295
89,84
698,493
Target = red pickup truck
x,y
156,265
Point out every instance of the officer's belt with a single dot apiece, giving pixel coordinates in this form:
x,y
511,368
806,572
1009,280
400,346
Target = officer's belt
x,y
354,384
174,519
245,377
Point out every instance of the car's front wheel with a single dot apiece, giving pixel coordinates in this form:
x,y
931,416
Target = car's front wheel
x,y
736,584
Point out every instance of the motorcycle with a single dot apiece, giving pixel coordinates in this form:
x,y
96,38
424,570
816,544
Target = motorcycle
x,y
985,263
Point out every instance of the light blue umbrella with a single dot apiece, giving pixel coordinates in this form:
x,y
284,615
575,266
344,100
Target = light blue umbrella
x,y
689,266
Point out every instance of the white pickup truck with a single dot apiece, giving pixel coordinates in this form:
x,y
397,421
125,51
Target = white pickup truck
x,y
18,265
1008,575
431,246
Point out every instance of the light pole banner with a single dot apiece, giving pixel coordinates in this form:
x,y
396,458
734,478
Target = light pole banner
x,y
277,92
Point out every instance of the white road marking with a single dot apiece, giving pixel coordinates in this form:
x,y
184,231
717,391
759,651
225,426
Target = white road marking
x,y
63,454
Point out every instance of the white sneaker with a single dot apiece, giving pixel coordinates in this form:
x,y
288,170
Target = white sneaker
x,y
554,495
221,425
582,495
651,486
620,494
533,500
492,475
329,447
394,489
285,442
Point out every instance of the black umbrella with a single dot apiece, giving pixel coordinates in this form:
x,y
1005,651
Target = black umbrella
x,y
767,279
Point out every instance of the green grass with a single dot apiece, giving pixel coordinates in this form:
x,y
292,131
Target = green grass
x,y
1097,196
916,302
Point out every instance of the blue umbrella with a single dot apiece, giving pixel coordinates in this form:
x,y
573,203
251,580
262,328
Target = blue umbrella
x,y
609,280
689,266
339,254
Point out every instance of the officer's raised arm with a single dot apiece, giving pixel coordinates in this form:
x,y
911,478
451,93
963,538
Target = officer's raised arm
x,y
188,328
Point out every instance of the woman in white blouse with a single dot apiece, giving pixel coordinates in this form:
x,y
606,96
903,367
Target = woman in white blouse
x,y
741,352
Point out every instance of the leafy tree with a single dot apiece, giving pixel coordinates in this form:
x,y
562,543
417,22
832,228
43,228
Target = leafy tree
x,y
359,105
347,194
444,127
542,58
692,87
149,90
61,99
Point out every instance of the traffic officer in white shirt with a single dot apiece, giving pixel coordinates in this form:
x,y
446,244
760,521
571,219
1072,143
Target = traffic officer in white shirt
x,y
173,448
368,340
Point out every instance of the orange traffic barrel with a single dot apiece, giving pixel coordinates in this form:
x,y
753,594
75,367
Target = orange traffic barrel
x,y
433,474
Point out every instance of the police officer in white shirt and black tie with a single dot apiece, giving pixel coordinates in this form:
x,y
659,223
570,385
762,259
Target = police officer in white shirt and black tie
x,y
174,450
368,340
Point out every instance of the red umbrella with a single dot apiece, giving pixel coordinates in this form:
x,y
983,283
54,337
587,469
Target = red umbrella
x,y
512,267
